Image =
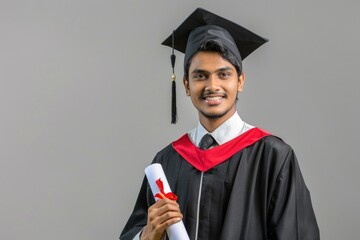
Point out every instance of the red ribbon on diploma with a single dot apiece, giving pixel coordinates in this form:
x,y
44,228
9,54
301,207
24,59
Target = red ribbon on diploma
x,y
162,194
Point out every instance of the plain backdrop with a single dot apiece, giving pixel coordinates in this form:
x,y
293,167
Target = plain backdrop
x,y
85,106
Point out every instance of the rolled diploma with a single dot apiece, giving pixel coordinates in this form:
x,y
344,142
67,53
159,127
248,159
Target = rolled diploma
x,y
153,172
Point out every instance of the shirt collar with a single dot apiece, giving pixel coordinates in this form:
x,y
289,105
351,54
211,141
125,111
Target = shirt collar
x,y
228,130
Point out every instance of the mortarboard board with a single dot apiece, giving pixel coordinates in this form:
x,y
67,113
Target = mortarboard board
x,y
202,26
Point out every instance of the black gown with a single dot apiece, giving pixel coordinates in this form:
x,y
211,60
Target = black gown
x,y
249,188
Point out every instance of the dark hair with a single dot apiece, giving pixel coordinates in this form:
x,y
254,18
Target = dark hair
x,y
215,46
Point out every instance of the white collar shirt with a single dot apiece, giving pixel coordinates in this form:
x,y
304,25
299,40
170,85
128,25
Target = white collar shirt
x,y
230,129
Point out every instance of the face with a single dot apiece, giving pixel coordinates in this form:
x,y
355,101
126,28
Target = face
x,y
213,85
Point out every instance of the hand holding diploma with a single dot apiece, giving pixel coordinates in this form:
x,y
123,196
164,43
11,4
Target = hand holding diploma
x,y
165,213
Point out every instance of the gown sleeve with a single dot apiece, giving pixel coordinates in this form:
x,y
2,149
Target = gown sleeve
x,y
291,215
138,217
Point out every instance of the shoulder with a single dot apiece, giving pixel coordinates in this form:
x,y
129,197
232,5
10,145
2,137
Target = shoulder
x,y
280,154
275,152
275,143
166,153
265,140
169,152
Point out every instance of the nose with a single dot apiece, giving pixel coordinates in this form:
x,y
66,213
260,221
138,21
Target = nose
x,y
212,83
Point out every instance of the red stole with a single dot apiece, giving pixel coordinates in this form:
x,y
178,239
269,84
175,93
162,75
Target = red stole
x,y
204,160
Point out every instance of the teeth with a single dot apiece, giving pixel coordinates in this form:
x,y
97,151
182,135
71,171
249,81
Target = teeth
x,y
213,98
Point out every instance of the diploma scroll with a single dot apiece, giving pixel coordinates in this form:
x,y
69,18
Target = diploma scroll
x,y
154,172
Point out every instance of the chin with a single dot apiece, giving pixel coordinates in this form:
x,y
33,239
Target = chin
x,y
213,115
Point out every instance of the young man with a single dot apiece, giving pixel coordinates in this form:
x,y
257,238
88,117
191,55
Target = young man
x,y
233,180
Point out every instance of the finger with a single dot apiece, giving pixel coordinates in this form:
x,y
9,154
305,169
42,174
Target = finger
x,y
163,222
160,209
164,203
159,215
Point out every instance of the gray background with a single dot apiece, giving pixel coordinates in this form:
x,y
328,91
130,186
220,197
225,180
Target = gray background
x,y
84,104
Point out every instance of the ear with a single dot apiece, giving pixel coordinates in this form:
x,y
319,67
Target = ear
x,y
241,82
186,86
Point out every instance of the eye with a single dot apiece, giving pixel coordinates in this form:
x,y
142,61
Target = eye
x,y
199,76
224,75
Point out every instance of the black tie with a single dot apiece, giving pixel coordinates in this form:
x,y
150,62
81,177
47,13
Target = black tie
x,y
207,141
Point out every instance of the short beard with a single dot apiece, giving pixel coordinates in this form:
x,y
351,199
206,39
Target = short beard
x,y
213,116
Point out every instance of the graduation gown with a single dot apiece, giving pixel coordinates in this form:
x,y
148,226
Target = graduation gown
x,y
249,188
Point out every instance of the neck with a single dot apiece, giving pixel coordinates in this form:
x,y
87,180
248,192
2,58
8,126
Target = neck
x,y
210,124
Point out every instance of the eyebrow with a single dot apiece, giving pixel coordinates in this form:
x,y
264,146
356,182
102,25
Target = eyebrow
x,y
197,70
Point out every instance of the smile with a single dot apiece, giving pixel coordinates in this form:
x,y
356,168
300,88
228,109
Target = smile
x,y
213,100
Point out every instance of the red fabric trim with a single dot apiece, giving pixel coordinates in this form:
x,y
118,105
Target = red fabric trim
x,y
204,160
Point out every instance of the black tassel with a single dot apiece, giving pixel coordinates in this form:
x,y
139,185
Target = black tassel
x,y
173,102
173,85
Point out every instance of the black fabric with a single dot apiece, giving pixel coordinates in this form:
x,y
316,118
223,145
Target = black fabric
x,y
257,194
206,33
199,28
207,141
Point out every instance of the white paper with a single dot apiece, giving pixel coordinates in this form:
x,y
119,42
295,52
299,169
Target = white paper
x,y
153,172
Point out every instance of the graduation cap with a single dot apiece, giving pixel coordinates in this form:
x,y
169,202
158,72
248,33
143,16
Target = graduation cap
x,y
202,26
